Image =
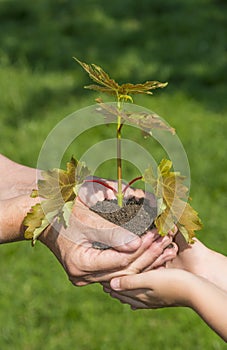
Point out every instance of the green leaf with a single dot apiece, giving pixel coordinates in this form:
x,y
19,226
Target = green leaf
x,y
33,220
175,210
188,223
57,188
34,194
149,177
147,121
58,184
144,120
82,172
164,222
66,212
44,224
97,74
143,88
110,86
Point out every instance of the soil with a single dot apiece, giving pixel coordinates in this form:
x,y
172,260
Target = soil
x,y
136,215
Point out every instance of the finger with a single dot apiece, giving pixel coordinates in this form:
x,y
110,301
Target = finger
x,y
135,304
105,284
86,225
131,282
174,231
150,255
107,290
101,265
91,191
100,261
79,282
135,263
169,253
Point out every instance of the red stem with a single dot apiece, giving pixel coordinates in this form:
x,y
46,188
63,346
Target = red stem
x,y
131,182
103,184
113,189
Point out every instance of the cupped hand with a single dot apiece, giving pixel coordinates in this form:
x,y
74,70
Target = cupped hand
x,y
153,289
85,264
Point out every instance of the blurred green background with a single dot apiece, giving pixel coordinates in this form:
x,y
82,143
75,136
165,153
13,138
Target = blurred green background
x,y
182,42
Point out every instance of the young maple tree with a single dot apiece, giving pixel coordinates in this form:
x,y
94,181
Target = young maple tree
x,y
123,93
59,188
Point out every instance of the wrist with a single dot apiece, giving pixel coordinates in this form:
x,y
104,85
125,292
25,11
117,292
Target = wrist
x,y
187,288
195,290
51,238
12,213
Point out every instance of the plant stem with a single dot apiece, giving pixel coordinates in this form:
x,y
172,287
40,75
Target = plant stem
x,y
132,182
119,159
103,184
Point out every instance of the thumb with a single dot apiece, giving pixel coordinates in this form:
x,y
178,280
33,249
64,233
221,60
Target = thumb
x,y
93,228
144,280
127,282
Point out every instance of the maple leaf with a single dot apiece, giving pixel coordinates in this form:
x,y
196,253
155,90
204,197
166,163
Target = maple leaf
x,y
169,186
145,120
110,86
36,221
33,220
57,184
97,74
57,188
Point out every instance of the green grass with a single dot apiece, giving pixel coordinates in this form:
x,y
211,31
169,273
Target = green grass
x,y
180,42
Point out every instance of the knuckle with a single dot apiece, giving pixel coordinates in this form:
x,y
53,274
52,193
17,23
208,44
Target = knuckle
x,y
124,262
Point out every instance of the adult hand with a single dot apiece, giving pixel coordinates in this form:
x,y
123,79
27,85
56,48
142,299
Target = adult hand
x,y
84,264
81,261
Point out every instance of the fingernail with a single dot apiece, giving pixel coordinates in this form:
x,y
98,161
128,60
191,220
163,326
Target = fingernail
x,y
130,246
166,239
134,243
115,284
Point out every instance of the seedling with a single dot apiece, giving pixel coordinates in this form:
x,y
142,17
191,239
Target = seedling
x,y
168,187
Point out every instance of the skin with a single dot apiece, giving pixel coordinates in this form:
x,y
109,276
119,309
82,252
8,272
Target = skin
x,y
196,271
174,287
200,260
73,246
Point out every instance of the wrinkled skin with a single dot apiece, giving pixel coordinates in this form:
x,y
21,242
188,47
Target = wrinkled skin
x,y
73,246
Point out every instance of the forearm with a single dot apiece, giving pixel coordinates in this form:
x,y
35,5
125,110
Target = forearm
x,y
202,261
210,302
15,179
12,213
16,184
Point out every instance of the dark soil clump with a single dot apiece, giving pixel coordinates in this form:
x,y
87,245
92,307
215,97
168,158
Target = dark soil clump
x,y
136,215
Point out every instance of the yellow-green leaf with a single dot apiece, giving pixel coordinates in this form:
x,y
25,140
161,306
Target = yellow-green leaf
x,y
164,222
144,120
47,220
33,220
57,188
110,86
149,177
66,212
97,74
58,183
169,186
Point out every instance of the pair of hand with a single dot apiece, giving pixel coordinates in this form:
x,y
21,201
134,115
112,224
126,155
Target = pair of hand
x,y
127,266
130,254
73,246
